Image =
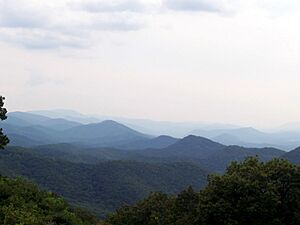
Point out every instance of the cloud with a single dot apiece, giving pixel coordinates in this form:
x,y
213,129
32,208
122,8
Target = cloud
x,y
16,14
40,39
42,24
192,5
111,6
120,22
39,25
119,25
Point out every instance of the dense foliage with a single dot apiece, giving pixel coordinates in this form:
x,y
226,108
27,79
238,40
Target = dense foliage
x,y
251,192
22,203
3,138
104,186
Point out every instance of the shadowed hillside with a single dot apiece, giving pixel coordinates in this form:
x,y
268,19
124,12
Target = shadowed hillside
x,y
101,187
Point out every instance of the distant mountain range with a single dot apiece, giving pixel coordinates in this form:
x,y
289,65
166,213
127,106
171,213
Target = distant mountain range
x,y
152,127
26,129
31,129
286,137
108,140
250,137
105,164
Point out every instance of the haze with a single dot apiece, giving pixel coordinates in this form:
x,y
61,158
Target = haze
x,y
228,61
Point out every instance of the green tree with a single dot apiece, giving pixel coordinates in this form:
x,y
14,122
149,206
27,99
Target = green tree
x,y
154,210
23,203
3,138
185,207
250,192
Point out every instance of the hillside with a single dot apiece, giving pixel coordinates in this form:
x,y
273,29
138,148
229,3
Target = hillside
x,y
159,142
293,156
250,192
218,161
251,137
24,203
104,186
194,146
186,148
102,166
24,119
27,129
29,135
210,155
31,129
66,114
106,133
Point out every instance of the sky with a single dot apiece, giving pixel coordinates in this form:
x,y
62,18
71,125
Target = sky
x,y
228,61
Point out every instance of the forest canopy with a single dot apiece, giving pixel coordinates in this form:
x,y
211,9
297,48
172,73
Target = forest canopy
x,y
250,192
22,202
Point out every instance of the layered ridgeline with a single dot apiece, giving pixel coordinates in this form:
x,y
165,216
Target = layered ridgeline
x,y
284,137
104,165
25,129
208,154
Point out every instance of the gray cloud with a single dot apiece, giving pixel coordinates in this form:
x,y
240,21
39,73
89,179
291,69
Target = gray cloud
x,y
41,27
38,26
41,39
111,6
119,23
192,5
16,14
48,42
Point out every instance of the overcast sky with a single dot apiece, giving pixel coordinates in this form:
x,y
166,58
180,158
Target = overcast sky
x,y
230,61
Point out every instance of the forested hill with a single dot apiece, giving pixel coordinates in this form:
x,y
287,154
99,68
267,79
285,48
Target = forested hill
x,y
210,155
249,193
22,202
104,186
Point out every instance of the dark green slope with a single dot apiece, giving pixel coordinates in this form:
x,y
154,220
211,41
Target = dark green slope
x,y
104,186
218,161
212,156
249,193
159,142
22,202
203,152
293,156
186,148
79,154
